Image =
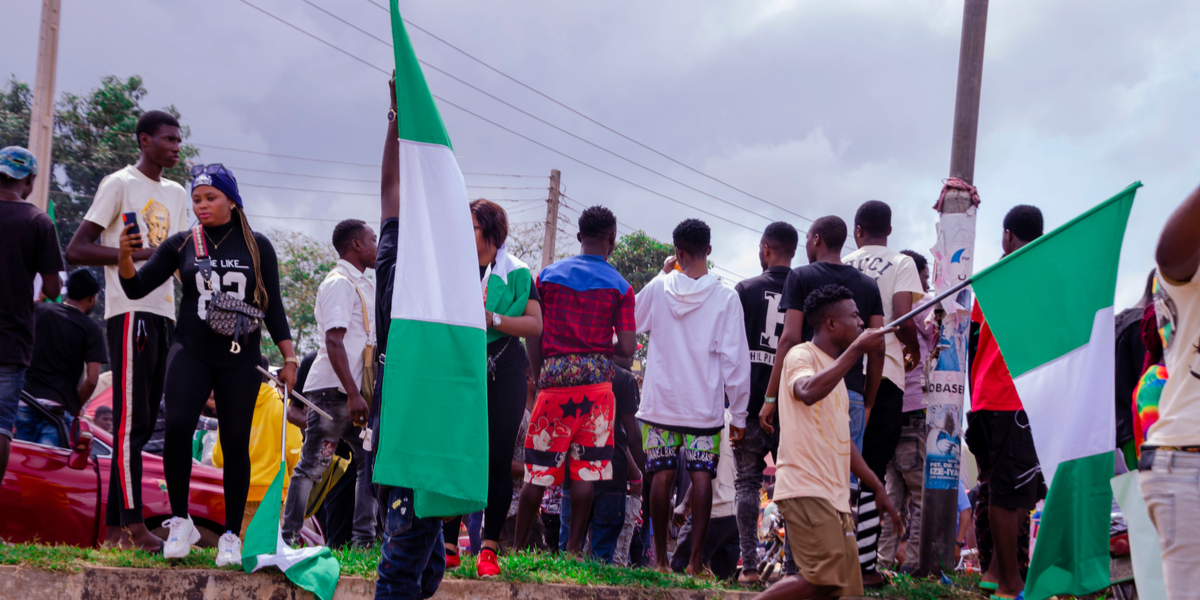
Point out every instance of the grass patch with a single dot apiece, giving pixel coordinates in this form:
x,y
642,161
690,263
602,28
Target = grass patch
x,y
960,587
523,567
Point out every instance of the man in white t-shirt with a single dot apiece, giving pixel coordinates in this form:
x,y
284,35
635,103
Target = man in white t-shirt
x,y
1170,463
344,310
899,287
139,331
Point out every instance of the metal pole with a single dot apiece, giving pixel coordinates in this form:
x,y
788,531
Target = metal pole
x,y
551,219
947,382
41,117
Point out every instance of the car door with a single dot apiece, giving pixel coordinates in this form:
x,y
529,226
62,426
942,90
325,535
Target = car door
x,y
43,499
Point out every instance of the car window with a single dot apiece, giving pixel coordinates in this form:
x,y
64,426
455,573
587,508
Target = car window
x,y
100,449
37,425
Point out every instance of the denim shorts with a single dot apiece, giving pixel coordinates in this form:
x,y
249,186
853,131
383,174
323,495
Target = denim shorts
x,y
12,381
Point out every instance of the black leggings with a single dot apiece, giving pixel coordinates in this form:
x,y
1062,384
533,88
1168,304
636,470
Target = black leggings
x,y
506,408
235,389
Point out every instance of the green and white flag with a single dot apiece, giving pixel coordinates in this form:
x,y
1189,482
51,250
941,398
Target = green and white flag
x,y
313,568
433,434
1050,307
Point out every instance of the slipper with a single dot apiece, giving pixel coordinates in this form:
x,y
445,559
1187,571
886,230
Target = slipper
x,y
999,597
989,585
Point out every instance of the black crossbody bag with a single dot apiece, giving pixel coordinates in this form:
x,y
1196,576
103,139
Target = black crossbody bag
x,y
227,315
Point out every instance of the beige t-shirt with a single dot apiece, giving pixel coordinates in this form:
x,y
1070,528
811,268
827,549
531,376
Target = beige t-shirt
x,y
814,441
1177,306
161,208
894,273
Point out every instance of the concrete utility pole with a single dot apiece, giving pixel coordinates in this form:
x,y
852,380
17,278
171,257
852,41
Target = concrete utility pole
x,y
551,219
41,118
955,251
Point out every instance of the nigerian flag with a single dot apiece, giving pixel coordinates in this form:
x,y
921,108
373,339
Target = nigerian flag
x,y
1050,307
313,568
433,434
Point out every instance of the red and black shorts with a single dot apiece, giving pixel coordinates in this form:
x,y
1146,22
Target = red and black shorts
x,y
574,422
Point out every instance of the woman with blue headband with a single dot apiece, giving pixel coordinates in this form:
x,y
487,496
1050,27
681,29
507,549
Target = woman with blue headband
x,y
243,266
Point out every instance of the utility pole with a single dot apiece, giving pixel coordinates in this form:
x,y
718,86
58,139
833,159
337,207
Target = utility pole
x,y
41,118
551,219
953,254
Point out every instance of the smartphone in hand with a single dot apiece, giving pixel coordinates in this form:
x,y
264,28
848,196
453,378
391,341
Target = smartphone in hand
x,y
128,218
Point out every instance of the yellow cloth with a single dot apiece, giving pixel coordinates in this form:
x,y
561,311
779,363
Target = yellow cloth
x,y
264,444
814,441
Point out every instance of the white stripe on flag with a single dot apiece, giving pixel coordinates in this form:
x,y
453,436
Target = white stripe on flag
x,y
436,261
1069,400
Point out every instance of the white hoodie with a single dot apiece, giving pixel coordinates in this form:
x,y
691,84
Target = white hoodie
x,y
698,352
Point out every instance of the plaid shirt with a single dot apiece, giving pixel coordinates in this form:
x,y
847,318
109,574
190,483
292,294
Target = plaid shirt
x,y
584,300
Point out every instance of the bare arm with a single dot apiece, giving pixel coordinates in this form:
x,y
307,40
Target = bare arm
x,y
51,284
793,331
633,437
902,302
527,325
874,368
389,197
1178,254
626,343
811,390
859,467
533,348
89,382
83,249
335,347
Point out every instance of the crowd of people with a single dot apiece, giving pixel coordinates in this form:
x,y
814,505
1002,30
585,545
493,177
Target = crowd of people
x,y
585,456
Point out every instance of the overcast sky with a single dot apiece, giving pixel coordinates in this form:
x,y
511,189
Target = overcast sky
x,y
814,105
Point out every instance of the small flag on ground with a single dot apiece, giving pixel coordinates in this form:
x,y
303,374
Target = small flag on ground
x,y
1050,306
314,568
433,434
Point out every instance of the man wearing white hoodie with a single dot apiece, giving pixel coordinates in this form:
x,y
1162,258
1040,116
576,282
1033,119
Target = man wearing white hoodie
x,y
698,358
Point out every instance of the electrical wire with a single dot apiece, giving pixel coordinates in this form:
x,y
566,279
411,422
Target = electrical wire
x,y
590,119
541,120
478,116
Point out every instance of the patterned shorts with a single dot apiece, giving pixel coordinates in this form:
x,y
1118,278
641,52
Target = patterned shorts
x,y
575,420
664,447
572,370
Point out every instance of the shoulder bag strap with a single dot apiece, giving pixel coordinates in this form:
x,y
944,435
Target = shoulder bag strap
x,y
202,256
362,299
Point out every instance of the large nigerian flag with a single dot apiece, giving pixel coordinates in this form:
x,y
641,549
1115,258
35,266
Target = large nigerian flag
x,y
314,568
1050,307
433,433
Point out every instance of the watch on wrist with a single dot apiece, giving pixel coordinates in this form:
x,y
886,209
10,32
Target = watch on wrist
x,y
769,399
292,359
391,115
495,320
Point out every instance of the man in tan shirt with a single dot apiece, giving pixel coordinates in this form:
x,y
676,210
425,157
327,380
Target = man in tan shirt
x,y
816,454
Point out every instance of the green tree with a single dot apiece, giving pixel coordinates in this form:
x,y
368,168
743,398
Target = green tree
x,y
93,136
303,264
639,258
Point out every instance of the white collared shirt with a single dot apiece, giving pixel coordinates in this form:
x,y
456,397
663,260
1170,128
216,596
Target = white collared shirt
x,y
338,305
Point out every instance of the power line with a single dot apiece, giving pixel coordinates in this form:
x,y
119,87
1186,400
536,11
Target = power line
x,y
541,120
520,135
590,119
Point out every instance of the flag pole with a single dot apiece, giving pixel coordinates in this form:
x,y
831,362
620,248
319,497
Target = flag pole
x,y
294,393
942,296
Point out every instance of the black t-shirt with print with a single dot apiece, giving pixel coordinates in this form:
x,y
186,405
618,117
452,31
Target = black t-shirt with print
x,y
803,280
28,245
628,399
66,339
233,271
761,297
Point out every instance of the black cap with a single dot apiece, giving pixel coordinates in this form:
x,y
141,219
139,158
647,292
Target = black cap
x,y
82,284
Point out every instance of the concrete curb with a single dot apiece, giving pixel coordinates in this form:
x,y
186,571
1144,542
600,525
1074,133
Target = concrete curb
x,y
95,583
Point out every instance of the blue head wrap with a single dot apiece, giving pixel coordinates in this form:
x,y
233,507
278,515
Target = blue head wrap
x,y
219,177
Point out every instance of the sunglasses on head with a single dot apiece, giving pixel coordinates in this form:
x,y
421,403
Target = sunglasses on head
x,y
213,169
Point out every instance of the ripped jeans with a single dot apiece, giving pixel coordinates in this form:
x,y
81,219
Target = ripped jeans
x,y
320,444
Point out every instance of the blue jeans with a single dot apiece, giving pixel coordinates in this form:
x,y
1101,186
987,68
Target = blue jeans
x,y
858,426
608,518
32,427
413,558
12,381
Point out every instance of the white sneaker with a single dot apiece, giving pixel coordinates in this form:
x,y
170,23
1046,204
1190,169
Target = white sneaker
x,y
229,550
182,536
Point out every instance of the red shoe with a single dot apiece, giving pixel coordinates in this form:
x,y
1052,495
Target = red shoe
x,y
453,560
487,565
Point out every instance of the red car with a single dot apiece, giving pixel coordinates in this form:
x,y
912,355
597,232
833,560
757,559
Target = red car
x,y
57,495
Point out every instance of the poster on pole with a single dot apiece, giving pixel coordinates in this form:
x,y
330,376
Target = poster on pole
x,y
943,446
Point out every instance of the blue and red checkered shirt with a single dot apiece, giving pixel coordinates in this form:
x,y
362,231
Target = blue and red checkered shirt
x,y
584,300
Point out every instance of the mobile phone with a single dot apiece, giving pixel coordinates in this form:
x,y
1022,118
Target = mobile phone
x,y
128,218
